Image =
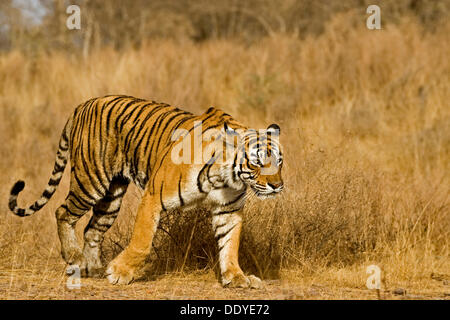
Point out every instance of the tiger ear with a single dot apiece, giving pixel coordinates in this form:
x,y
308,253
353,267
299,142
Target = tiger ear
x,y
274,129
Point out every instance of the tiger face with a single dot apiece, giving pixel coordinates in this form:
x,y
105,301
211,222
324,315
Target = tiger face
x,y
259,161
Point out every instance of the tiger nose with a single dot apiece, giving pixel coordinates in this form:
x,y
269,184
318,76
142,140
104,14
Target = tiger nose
x,y
275,185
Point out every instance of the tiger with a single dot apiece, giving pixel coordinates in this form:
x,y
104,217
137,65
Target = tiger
x,y
117,139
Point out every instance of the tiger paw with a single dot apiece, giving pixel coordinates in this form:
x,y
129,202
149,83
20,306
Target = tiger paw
x,y
76,270
242,281
77,266
85,270
255,282
94,267
120,273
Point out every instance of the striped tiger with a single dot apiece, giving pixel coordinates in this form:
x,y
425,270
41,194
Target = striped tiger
x,y
114,140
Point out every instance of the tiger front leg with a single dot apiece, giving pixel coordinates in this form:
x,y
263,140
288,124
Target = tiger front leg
x,y
125,267
227,229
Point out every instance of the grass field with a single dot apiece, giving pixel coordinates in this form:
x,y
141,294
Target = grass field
x,y
365,125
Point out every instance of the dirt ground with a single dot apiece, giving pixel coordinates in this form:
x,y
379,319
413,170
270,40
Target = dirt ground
x,y
30,284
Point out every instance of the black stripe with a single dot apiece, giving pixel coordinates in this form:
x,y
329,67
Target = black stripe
x,y
226,212
136,149
118,116
223,245
90,176
58,168
111,104
103,146
179,192
126,117
83,189
236,200
131,136
160,120
178,113
85,203
202,122
179,123
157,125
143,122
91,133
47,194
111,197
102,224
76,206
220,226
17,188
102,212
36,207
12,204
63,148
159,167
141,109
234,167
99,227
199,184
207,173
224,234
160,196
91,150
72,213
249,164
53,182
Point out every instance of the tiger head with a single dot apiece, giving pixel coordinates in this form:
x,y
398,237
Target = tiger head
x,y
258,160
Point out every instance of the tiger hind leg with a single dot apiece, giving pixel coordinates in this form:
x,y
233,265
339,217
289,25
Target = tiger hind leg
x,y
104,215
67,215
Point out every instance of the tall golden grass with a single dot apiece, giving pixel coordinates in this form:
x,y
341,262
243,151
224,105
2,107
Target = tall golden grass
x,y
365,125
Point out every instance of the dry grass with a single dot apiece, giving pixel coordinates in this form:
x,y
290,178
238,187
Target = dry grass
x,y
365,124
